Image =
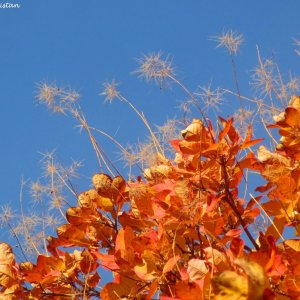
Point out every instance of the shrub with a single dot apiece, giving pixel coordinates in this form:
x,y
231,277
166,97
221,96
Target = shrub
x,y
186,227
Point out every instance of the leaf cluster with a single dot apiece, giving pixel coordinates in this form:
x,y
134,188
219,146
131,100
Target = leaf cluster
x,y
182,232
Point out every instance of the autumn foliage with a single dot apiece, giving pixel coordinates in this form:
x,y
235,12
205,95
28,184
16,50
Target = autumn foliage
x,y
182,230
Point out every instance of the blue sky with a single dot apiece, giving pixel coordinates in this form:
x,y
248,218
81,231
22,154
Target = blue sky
x,y
83,43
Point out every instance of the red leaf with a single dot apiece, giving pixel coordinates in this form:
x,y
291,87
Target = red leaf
x,y
152,290
175,145
237,247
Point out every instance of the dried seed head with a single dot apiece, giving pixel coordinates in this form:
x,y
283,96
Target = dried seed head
x,y
154,67
110,91
85,200
230,40
102,184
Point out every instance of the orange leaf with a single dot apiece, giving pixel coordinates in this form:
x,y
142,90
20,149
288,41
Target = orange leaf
x,y
141,196
279,223
88,263
75,235
272,208
170,264
227,126
250,143
230,131
107,260
7,260
134,222
214,226
118,187
121,288
292,116
123,243
190,147
188,291
78,215
216,257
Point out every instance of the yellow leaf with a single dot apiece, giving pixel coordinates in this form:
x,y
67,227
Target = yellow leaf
x,y
197,269
86,199
230,286
294,244
257,280
7,260
215,257
194,131
295,102
105,203
145,271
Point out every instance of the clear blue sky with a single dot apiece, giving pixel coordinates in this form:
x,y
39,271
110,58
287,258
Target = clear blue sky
x,y
83,43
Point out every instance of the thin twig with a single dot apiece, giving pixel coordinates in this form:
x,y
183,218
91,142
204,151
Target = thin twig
x,y
229,199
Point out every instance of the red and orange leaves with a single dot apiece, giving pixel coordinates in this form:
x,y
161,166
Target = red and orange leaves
x,y
281,169
181,234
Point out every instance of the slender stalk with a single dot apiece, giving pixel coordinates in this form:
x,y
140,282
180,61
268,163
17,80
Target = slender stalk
x,y
43,226
142,117
194,101
53,190
236,80
123,149
18,241
27,234
229,199
270,220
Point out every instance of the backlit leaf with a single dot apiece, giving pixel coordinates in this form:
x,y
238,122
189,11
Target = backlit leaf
x,y
197,269
294,244
170,263
230,286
